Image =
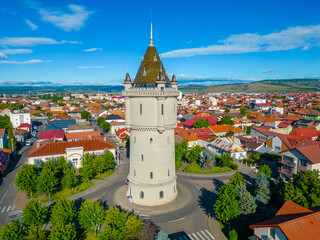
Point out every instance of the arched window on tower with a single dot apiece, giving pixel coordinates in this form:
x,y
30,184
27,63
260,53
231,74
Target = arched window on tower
x,y
161,194
140,109
151,175
161,109
151,140
141,157
141,194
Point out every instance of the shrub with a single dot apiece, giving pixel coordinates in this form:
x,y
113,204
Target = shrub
x,y
233,235
233,166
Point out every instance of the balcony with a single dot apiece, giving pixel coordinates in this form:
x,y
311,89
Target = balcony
x,y
302,168
291,164
285,171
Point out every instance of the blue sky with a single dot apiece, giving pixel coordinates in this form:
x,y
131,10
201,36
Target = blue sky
x,y
95,42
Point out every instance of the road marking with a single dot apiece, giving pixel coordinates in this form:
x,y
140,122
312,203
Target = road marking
x,y
3,196
190,237
4,208
209,234
198,188
9,208
14,213
12,208
205,235
177,220
195,236
200,235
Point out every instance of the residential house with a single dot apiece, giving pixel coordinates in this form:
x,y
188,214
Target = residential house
x,y
307,133
17,117
222,130
112,117
73,151
291,222
303,157
229,145
184,134
61,124
114,126
75,114
76,136
189,124
3,138
58,135
79,127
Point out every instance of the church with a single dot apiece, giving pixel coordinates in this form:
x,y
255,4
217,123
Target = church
x,y
151,103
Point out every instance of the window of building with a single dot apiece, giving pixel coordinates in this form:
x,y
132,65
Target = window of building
x,y
161,109
141,157
134,172
277,148
168,172
273,232
151,140
135,140
174,188
141,194
161,194
140,109
151,175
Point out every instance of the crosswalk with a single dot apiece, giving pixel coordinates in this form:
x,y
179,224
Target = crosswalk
x,y
124,162
200,235
6,209
12,216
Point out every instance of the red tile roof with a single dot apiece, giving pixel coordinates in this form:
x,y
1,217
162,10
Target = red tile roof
x,y
50,134
190,122
305,132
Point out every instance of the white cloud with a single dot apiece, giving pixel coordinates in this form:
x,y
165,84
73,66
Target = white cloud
x,y
90,67
92,49
290,38
16,51
268,70
3,56
31,41
31,25
25,62
73,20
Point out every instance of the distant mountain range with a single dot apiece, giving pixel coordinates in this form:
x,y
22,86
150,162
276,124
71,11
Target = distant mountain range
x,y
203,85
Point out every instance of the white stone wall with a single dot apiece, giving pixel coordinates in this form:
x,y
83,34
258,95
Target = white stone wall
x,y
18,118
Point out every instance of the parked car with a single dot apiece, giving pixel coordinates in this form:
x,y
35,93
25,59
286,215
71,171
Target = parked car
x,y
121,147
28,143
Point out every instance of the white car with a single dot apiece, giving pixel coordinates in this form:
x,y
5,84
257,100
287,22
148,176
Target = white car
x,y
28,143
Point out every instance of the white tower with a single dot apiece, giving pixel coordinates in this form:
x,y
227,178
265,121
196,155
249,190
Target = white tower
x,y
151,103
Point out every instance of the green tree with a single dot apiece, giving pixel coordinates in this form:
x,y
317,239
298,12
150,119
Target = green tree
x,y
226,120
87,170
91,215
69,179
181,150
265,169
14,230
98,165
304,189
227,110
108,159
26,179
63,232
38,107
161,235
100,120
262,188
201,123
193,154
244,111
34,213
207,160
48,180
233,235
236,180
229,134
257,156
85,115
248,129
247,203
226,160
36,233
227,204
64,211
105,126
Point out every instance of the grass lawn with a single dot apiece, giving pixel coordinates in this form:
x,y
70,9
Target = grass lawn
x,y
178,165
68,192
90,236
243,232
195,168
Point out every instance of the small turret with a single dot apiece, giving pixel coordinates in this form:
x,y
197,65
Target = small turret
x,y
127,82
161,80
174,82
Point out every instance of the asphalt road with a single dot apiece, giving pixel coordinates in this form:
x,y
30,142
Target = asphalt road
x,y
8,191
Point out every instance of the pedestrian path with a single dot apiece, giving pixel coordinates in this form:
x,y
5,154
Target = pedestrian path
x,y
200,235
6,209
124,162
12,216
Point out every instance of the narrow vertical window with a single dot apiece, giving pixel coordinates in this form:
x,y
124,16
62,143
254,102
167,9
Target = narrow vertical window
x,y
140,109
151,140
134,172
161,194
141,157
151,175
174,188
161,109
135,140
168,172
141,194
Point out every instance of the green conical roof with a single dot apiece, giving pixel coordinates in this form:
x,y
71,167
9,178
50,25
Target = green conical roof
x,y
149,69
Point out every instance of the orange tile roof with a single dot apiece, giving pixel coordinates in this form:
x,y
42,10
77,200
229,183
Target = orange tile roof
x,y
185,134
225,128
53,148
82,135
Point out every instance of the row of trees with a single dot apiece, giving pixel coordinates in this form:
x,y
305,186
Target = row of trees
x,y
104,125
48,177
6,124
65,219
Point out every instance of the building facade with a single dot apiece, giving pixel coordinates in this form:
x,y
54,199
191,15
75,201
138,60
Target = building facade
x,y
151,103
18,117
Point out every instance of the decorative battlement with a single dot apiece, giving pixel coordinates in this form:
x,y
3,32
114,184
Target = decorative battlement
x,y
152,92
150,128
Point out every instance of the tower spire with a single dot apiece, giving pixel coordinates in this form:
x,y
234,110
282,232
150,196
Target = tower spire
x,y
151,38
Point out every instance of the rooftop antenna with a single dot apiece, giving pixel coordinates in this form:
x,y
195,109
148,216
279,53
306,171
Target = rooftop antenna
x,y
151,37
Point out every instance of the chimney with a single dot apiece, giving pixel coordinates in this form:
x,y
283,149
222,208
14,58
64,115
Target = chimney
x,y
104,138
38,144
